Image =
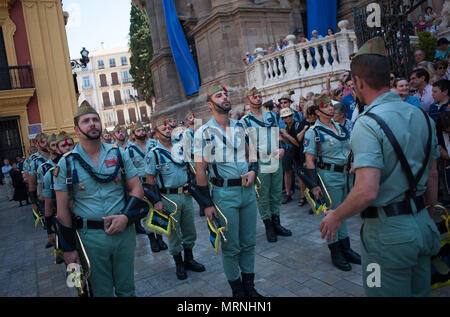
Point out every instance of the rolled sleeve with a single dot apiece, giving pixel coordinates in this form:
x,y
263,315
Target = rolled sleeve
x,y
46,185
309,143
150,164
60,178
366,145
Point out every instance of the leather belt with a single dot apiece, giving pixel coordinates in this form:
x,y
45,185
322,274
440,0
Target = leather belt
x,y
220,182
175,190
332,167
91,224
395,209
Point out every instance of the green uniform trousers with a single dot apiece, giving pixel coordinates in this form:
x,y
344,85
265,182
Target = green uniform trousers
x,y
238,204
112,261
336,185
396,252
184,235
269,199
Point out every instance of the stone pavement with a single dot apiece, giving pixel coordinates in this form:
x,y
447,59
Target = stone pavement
x,y
295,266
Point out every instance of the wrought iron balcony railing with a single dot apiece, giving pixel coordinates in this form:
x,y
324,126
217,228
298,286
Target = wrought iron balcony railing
x,y
16,77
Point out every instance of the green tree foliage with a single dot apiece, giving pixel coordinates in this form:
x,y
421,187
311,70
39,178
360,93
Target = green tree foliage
x,y
141,53
427,43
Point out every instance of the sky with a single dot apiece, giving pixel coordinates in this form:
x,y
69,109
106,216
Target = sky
x,y
92,22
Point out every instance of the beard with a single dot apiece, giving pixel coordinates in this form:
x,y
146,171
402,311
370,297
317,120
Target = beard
x,y
89,135
140,138
225,107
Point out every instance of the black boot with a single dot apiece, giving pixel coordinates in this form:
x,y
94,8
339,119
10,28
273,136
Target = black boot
x,y
337,257
280,230
270,231
190,263
249,285
153,243
237,288
139,229
350,255
161,243
181,273
49,245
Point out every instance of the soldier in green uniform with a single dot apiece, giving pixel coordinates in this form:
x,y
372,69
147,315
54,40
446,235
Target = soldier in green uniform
x,y
106,137
188,145
395,148
262,128
95,179
167,174
40,157
119,135
43,169
326,147
220,147
64,144
137,152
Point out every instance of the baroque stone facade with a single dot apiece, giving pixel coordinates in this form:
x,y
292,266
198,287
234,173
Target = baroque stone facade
x,y
219,33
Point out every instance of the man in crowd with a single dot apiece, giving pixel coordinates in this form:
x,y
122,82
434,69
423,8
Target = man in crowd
x,y
120,136
7,180
419,79
440,95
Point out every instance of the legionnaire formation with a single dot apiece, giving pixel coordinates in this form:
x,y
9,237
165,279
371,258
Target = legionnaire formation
x,y
95,196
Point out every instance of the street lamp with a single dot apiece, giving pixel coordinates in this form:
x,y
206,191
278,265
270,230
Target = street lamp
x,y
136,98
83,60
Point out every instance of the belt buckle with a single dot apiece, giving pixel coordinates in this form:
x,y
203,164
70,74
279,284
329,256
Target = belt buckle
x,y
180,190
69,181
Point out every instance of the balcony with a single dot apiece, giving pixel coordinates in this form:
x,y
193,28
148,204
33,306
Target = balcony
x,y
103,85
302,66
16,77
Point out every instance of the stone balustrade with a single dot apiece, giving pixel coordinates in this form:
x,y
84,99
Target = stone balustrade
x,y
302,67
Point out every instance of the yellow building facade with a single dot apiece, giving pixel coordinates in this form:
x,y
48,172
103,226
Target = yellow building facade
x,y
36,82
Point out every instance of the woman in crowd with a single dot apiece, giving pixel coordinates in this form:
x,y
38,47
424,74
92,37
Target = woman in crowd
x,y
443,50
20,191
337,94
402,87
340,116
441,68
421,26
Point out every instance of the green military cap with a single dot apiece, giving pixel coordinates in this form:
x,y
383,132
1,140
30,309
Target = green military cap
x,y
216,88
321,100
85,108
52,138
190,113
287,97
41,136
252,92
161,122
63,136
117,128
136,126
374,46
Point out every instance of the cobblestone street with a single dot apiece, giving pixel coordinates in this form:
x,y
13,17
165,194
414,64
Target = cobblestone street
x,y
296,266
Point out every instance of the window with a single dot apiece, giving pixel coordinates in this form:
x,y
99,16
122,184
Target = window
x,y
112,62
101,65
86,83
103,82
106,101
117,97
126,77
114,79
124,61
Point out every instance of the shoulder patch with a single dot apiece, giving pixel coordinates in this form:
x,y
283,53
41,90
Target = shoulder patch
x,y
56,172
306,142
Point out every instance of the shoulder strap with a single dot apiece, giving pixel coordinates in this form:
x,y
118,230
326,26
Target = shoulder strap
x,y
139,151
157,163
413,181
317,140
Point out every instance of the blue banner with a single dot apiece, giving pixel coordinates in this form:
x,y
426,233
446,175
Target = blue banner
x,y
180,50
321,15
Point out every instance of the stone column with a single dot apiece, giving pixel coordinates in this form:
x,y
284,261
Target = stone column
x,y
47,40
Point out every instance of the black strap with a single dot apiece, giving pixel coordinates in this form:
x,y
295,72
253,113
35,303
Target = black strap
x,y
413,181
138,150
159,174
318,147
